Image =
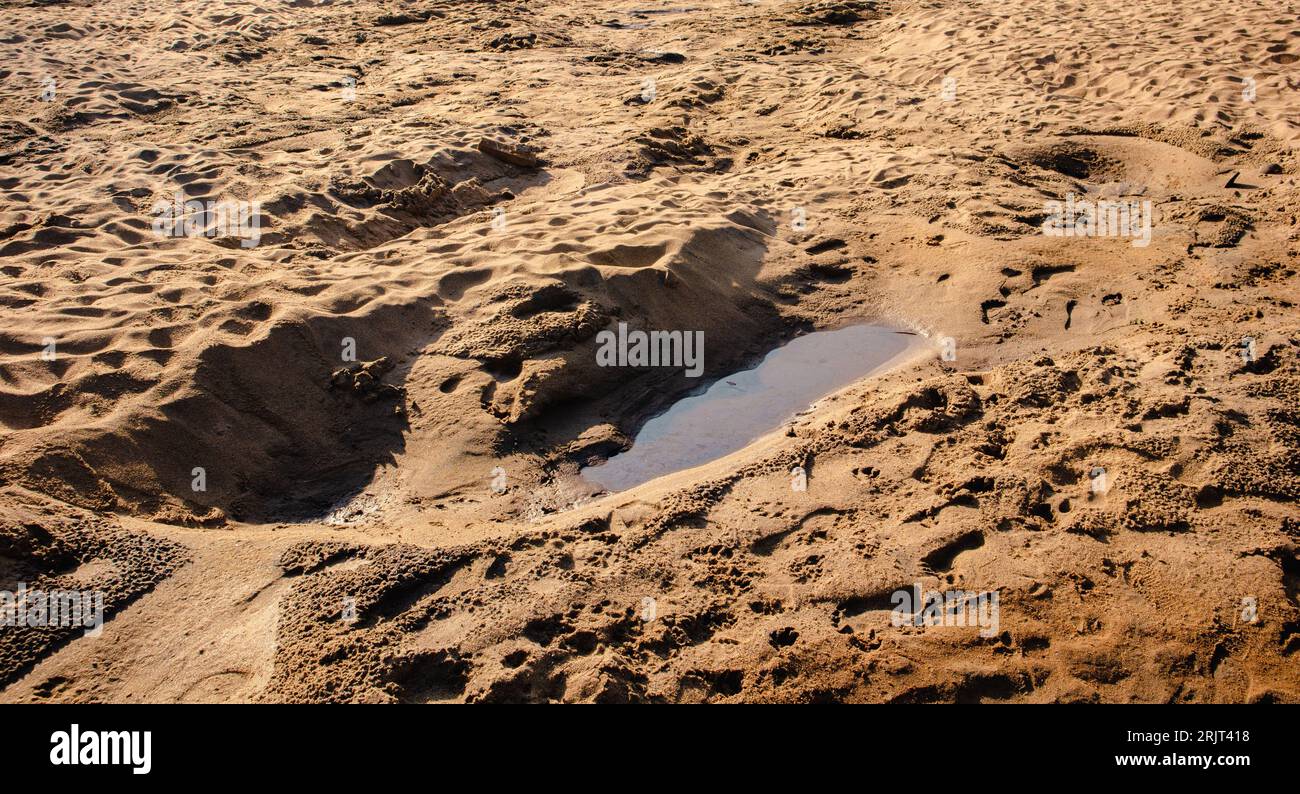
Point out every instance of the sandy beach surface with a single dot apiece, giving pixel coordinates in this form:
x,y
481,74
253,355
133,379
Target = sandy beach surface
x,y
303,305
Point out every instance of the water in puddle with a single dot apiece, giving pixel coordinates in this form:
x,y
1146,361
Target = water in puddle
x,y
739,409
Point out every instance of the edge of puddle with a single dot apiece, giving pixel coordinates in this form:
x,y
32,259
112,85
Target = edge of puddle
x,y
915,350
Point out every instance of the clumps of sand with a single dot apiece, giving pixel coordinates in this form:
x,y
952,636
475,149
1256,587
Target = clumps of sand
x,y
365,380
48,548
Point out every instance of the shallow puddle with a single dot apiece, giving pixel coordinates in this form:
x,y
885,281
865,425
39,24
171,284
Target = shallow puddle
x,y
741,408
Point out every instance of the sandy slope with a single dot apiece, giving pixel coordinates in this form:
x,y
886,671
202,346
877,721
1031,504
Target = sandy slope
x,y
647,162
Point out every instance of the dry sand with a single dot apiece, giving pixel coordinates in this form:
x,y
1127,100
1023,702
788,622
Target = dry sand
x,y
470,191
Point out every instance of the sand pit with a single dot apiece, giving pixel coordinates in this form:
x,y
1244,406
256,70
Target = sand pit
x,y
300,363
